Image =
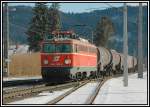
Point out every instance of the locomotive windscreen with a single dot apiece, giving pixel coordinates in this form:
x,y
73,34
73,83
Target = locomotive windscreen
x,y
57,48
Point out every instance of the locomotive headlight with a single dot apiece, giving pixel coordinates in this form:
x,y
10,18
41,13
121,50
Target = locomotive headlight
x,y
45,61
67,61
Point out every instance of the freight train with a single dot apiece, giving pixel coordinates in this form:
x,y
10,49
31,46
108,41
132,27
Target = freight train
x,y
66,56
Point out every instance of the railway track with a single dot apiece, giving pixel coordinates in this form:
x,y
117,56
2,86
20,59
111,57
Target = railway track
x,y
22,82
95,93
21,93
57,99
91,97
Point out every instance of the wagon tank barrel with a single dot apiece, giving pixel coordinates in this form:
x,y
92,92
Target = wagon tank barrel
x,y
104,56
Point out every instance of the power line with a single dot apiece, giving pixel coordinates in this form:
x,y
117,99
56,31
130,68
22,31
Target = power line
x,y
19,26
117,9
92,9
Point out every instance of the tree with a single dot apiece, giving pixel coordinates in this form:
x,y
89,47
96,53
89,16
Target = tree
x,y
38,26
104,30
54,17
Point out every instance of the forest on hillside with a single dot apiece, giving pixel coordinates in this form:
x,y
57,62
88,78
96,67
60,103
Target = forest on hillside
x,y
20,17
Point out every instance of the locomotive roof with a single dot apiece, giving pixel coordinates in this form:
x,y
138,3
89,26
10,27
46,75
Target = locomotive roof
x,y
66,37
62,33
73,41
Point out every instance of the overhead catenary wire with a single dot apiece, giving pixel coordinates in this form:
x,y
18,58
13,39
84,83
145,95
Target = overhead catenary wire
x,y
118,9
19,26
38,32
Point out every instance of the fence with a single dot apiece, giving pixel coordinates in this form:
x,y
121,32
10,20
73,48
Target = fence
x,y
27,64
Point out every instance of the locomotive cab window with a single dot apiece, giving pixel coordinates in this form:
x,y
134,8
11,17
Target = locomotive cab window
x,y
48,48
66,48
57,48
63,48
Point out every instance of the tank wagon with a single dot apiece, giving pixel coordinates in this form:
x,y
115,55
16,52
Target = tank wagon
x,y
104,60
116,68
131,63
65,56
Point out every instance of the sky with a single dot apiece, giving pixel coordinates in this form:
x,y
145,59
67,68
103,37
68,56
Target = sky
x,y
80,7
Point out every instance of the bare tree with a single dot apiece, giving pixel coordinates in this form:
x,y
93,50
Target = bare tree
x,y
104,30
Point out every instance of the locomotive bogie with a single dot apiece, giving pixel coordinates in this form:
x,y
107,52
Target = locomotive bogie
x,y
59,74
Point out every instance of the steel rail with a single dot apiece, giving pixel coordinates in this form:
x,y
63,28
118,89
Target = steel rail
x,y
92,97
96,91
57,99
21,93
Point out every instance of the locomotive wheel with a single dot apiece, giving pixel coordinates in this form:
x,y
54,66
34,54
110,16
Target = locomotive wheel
x,y
114,72
78,75
84,75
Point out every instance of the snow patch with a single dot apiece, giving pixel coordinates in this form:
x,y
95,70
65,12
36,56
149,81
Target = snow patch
x,y
20,78
81,95
113,91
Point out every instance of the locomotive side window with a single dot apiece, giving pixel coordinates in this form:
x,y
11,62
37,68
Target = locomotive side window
x,y
92,50
78,48
82,48
75,48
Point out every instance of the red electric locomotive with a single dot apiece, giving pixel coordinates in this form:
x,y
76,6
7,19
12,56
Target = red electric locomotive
x,y
65,56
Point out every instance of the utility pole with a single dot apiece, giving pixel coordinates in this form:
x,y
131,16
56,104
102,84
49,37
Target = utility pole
x,y
135,56
125,45
140,45
6,38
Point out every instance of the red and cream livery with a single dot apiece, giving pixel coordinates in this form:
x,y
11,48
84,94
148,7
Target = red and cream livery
x,y
68,58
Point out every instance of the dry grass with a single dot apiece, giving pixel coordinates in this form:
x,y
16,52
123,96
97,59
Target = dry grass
x,y
25,65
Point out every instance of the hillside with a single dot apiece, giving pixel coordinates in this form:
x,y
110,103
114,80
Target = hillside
x,y
20,17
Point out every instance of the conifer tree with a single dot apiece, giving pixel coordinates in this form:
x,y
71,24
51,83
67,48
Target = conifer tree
x,y
43,23
54,17
38,26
